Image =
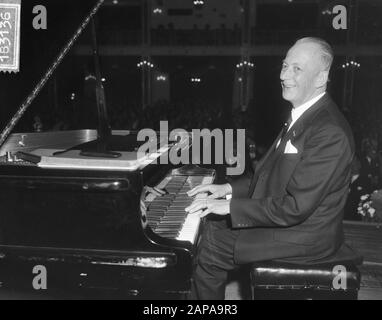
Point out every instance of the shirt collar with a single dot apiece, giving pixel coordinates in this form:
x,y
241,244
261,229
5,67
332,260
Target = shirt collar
x,y
298,112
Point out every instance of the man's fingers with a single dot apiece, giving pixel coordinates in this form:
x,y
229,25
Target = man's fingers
x,y
198,189
195,191
213,196
204,207
196,206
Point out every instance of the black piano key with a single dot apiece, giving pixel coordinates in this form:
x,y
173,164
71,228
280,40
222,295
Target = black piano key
x,y
166,214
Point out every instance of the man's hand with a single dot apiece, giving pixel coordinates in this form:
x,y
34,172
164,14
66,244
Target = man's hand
x,y
220,207
216,191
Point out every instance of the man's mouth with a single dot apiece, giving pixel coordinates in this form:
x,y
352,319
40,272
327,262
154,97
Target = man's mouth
x,y
287,86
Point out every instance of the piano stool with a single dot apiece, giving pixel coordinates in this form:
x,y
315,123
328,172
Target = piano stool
x,y
273,280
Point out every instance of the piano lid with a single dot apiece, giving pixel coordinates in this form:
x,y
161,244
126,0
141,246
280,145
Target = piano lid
x,y
39,50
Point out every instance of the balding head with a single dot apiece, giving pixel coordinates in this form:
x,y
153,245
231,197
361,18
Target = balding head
x,y
324,50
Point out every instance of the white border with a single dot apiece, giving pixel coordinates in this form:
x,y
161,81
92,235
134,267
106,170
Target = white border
x,y
16,53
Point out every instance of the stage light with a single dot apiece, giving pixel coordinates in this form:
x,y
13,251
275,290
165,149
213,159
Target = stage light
x,y
326,12
145,63
246,64
351,64
90,77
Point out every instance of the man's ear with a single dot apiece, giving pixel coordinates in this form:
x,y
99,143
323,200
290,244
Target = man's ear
x,y
322,79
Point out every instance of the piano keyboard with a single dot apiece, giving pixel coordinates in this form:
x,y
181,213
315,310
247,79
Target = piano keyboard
x,y
166,215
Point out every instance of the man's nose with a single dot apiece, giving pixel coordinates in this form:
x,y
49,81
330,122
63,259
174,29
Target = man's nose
x,y
285,74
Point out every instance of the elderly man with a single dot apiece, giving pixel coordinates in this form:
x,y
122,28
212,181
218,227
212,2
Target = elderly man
x,y
292,208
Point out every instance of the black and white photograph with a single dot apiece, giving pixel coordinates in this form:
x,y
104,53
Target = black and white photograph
x,y
197,153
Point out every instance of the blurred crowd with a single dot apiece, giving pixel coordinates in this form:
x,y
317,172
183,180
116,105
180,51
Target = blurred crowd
x,y
185,114
367,163
182,114
366,174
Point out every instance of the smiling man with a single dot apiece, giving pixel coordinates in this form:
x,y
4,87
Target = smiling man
x,y
305,71
292,207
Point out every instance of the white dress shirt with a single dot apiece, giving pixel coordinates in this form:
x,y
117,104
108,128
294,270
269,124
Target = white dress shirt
x,y
299,111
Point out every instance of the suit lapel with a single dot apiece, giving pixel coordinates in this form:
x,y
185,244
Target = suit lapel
x,y
266,157
298,127
303,122
269,152
307,117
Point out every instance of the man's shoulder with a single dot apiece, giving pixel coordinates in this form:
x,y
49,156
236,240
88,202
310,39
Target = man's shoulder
x,y
329,122
330,117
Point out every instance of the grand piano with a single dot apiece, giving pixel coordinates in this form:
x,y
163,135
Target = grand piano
x,y
97,230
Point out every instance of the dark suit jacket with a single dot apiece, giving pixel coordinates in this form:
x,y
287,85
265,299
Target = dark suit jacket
x,y
293,209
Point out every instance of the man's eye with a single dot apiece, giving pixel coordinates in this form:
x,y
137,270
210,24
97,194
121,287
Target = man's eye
x,y
284,66
297,69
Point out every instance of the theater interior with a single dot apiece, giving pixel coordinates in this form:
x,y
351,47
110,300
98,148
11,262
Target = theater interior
x,y
87,67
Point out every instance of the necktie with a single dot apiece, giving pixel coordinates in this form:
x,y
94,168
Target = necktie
x,y
284,131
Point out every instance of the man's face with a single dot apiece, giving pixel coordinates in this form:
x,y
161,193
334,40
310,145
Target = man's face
x,y
299,73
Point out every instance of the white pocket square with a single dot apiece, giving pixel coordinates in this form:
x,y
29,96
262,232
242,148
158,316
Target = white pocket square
x,y
290,148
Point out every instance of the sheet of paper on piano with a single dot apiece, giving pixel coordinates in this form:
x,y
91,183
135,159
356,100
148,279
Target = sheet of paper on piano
x,y
129,161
